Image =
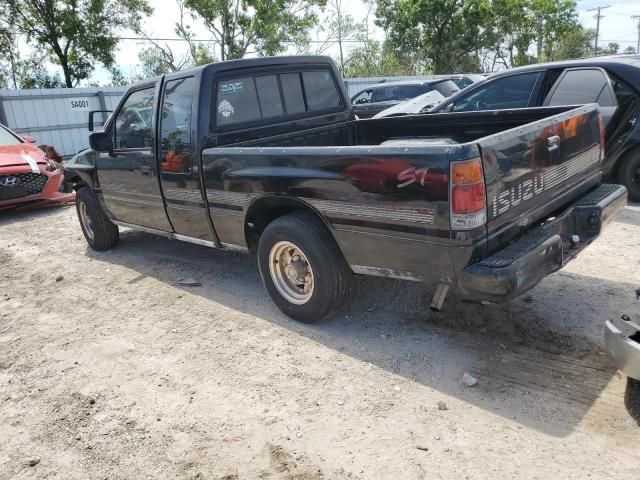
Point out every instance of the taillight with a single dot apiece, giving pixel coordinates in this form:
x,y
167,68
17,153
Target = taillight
x,y
468,198
602,136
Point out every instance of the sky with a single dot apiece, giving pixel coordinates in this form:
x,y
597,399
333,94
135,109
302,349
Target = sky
x,y
617,25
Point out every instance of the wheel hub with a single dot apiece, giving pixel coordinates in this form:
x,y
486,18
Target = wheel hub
x,y
291,272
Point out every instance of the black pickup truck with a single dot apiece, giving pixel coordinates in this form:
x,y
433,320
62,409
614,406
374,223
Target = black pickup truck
x,y
265,156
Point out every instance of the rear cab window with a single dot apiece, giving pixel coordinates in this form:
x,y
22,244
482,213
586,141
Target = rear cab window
x,y
275,97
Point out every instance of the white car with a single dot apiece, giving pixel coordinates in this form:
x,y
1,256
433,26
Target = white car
x,y
420,104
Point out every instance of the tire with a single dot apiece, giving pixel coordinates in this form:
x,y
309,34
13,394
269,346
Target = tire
x,y
98,230
629,174
317,254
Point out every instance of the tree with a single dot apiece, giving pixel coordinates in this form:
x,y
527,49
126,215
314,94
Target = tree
x,y
629,51
264,27
445,34
76,34
576,44
373,59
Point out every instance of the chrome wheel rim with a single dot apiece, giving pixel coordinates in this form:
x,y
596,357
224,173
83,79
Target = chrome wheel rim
x,y
291,272
85,220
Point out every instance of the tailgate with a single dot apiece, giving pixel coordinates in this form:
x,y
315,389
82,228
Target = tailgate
x,y
532,170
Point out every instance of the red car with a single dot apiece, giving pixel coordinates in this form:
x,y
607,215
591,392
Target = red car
x,y
28,177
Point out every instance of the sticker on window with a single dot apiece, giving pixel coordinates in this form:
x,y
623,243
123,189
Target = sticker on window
x,y
226,109
231,88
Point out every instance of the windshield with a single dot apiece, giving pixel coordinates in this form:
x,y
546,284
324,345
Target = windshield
x,y
445,87
8,138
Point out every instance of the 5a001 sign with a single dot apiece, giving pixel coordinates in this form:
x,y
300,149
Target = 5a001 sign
x,y
79,104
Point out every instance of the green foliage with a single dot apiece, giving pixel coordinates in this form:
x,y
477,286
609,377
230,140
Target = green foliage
x,y
576,44
76,34
374,60
448,36
264,27
441,33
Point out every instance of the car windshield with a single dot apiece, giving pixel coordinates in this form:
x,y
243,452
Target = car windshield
x,y
8,138
445,87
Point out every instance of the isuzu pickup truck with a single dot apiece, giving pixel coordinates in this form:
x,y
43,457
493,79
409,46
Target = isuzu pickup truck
x,y
265,156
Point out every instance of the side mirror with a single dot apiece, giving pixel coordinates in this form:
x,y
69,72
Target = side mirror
x,y
91,115
28,139
101,142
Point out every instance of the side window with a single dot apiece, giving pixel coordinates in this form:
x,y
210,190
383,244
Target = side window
x,y
577,87
363,98
292,90
320,90
409,91
175,126
384,94
514,91
236,101
269,96
133,124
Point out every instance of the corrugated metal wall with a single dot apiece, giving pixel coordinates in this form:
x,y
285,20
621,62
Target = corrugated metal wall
x,y
57,116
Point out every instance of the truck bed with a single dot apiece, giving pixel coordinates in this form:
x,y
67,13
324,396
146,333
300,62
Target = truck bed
x,y
388,180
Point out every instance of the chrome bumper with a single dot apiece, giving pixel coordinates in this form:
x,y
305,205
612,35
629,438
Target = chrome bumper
x,y
622,341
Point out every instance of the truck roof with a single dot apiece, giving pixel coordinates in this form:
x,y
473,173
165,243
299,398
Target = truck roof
x,y
247,63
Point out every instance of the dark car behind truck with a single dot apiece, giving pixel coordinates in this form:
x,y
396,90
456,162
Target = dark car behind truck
x,y
611,82
265,156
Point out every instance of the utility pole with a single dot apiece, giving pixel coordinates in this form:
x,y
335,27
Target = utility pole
x,y
638,45
598,17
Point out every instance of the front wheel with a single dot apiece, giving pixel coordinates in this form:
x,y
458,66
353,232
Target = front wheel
x,y
302,268
98,230
629,175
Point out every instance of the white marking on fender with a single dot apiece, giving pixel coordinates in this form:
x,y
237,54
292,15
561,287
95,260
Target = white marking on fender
x,y
32,163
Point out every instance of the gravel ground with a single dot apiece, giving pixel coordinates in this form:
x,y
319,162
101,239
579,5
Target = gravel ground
x,y
111,370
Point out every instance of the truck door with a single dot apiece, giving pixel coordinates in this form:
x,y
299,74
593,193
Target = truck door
x,y
128,175
179,172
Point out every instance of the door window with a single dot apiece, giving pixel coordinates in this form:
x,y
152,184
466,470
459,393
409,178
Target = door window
x,y
384,94
133,123
577,87
175,126
514,91
320,90
363,98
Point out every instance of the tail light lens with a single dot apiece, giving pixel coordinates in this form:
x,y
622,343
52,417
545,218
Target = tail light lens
x,y
468,198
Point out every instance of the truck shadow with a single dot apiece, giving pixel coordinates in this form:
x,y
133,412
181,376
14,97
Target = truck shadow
x,y
537,358
630,215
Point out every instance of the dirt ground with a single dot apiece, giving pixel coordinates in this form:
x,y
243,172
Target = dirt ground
x,y
111,370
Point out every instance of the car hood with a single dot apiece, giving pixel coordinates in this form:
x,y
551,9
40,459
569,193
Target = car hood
x,y
22,154
415,105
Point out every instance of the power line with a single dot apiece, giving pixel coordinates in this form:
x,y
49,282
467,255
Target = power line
x,y
598,17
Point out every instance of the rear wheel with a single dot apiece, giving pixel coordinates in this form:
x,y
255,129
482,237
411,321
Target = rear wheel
x,y
302,268
98,230
629,174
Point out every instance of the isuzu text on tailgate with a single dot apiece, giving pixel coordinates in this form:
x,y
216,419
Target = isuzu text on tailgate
x,y
265,156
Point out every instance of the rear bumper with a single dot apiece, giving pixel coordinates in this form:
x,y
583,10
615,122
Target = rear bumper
x,y
622,341
547,248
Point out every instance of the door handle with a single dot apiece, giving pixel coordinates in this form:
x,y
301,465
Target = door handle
x,y
146,171
553,142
